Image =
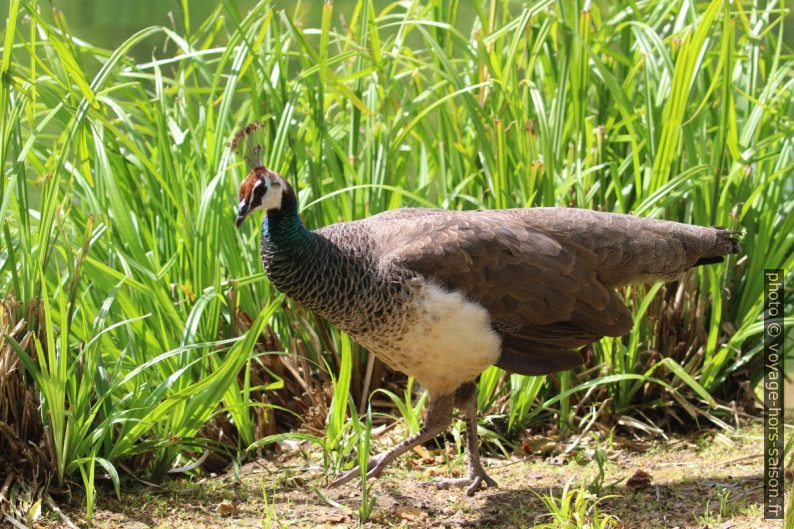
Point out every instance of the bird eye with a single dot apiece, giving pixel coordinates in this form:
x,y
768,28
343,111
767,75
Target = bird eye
x,y
259,191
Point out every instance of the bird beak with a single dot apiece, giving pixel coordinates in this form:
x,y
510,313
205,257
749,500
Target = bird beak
x,y
242,212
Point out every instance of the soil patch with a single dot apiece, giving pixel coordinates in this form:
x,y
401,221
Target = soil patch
x,y
711,480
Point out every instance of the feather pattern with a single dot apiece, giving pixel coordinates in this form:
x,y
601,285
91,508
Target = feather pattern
x,y
546,276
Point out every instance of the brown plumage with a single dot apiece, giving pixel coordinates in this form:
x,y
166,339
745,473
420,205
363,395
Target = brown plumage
x,y
441,295
545,275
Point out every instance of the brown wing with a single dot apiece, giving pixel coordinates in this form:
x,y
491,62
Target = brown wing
x,y
631,249
545,274
543,292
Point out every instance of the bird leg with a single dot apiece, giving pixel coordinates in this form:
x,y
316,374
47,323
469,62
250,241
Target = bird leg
x,y
437,419
466,400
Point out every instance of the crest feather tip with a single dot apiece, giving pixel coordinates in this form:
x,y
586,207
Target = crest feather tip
x,y
249,143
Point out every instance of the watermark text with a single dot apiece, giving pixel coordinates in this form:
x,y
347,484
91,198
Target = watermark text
x,y
773,394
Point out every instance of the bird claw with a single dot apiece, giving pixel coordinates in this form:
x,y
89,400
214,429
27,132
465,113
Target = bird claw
x,y
473,482
374,468
343,477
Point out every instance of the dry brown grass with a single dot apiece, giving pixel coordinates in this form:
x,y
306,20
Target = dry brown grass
x,y
24,464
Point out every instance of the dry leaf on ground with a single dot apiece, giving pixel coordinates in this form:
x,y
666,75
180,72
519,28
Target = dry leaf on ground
x,y
412,514
639,480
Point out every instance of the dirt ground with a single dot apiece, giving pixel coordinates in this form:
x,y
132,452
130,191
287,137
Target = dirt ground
x,y
710,480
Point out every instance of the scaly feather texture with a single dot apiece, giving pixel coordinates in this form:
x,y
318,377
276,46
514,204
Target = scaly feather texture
x,y
338,280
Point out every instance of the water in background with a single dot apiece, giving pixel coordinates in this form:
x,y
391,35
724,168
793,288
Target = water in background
x,y
108,23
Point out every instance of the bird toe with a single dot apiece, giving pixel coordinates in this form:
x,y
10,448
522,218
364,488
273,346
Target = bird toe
x,y
343,477
375,467
473,482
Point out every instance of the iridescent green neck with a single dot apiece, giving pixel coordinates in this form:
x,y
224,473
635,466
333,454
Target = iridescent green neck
x,y
281,227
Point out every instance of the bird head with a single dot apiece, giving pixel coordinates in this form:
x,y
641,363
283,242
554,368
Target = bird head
x,y
262,188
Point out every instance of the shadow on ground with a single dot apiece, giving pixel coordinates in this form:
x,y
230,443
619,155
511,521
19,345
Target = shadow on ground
x,y
706,499
693,484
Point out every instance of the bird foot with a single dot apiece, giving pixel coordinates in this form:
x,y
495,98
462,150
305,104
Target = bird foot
x,y
375,466
473,483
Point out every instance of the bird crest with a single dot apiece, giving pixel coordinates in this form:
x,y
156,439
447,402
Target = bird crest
x,y
249,143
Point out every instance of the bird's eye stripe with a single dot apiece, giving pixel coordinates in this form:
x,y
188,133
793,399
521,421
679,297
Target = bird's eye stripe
x,y
259,190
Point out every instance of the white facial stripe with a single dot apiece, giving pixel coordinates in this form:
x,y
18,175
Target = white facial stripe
x,y
272,199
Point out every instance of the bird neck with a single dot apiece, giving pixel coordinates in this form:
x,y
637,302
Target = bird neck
x,y
284,229
334,280
290,253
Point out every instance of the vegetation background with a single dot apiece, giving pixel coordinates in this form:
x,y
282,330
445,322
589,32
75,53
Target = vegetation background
x,y
139,332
